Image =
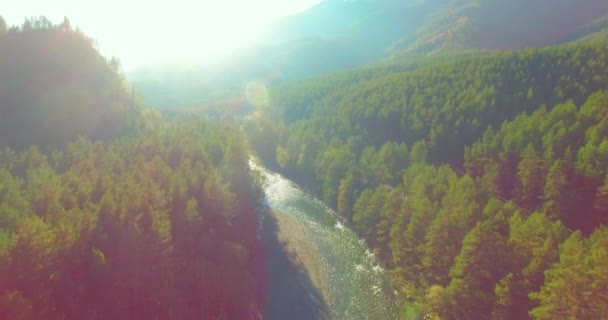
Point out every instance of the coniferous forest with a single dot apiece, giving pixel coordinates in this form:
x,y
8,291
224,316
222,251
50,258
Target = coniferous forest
x,y
480,181
107,211
477,175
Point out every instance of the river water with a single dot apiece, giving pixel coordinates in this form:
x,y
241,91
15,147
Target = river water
x,y
358,286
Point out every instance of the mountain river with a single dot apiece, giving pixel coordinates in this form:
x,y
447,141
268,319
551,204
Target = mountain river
x,y
317,267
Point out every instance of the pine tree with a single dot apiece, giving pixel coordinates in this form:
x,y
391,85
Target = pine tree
x,y
554,191
419,152
601,203
346,196
575,288
446,232
533,242
531,179
482,262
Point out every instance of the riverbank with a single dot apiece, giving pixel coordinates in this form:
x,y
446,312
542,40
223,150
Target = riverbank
x,y
298,282
301,247
317,267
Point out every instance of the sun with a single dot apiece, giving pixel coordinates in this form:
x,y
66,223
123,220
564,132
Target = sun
x,y
186,31
210,30
179,31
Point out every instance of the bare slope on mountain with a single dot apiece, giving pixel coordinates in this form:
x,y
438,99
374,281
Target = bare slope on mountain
x,y
495,24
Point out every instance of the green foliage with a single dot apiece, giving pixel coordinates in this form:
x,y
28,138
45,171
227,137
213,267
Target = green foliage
x,y
55,86
158,225
346,196
472,243
531,178
449,105
533,244
575,288
482,261
567,180
412,311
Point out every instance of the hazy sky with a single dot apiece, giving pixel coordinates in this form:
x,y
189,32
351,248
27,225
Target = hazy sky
x,y
140,31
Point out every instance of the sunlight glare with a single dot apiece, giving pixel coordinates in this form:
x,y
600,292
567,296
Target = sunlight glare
x,y
213,29
181,31
257,94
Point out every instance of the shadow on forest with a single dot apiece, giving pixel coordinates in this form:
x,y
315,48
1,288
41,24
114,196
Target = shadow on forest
x,y
290,293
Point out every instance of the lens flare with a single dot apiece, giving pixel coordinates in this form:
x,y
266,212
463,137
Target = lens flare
x,y
257,94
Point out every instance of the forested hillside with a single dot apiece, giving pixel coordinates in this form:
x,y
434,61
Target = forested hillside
x,y
157,226
445,106
108,211
55,86
479,182
478,177
551,160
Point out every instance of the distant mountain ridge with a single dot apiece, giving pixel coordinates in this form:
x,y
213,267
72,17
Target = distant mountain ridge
x,y
342,34
494,24
364,31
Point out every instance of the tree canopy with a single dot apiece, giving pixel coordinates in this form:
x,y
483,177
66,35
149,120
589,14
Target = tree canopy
x,y
464,176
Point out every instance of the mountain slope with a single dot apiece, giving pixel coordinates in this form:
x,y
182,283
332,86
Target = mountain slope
x,y
346,33
494,24
157,221
55,86
335,35
469,232
330,36
593,31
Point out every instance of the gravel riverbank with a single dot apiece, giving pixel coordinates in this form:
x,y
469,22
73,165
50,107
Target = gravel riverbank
x,y
297,277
